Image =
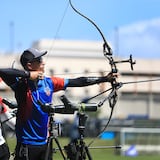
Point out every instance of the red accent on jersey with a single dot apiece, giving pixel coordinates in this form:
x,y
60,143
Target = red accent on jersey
x,y
58,83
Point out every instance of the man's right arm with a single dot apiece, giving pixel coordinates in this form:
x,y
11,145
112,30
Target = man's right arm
x,y
9,75
14,72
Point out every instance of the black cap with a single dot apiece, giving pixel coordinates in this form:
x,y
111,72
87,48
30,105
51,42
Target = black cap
x,y
31,55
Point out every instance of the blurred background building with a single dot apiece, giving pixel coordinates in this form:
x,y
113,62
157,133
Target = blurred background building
x,y
85,58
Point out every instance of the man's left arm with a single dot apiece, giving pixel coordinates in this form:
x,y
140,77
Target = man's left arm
x,y
87,81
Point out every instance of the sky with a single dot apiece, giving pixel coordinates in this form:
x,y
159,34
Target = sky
x,y
130,26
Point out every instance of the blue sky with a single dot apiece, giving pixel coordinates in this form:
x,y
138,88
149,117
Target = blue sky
x,y
131,26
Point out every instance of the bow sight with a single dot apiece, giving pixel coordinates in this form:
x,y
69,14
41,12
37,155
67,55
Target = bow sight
x,y
130,60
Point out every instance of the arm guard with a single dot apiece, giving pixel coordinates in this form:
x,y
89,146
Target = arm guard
x,y
86,81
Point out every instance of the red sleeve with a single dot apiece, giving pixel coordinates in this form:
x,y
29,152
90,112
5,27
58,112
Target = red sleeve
x,y
4,108
58,83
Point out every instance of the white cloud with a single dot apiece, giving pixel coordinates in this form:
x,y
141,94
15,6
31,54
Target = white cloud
x,y
141,39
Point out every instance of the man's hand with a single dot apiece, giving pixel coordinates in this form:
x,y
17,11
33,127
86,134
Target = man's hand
x,y
111,77
34,75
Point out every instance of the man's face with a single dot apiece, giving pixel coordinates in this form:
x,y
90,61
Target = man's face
x,y
36,65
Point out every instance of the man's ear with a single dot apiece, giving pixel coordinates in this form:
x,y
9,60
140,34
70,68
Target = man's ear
x,y
29,66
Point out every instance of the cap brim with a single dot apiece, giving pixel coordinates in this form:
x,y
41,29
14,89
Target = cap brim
x,y
40,54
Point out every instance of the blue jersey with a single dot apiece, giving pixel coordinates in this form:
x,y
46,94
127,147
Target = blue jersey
x,y
32,122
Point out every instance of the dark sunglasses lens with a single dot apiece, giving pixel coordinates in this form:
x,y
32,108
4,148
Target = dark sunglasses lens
x,y
39,60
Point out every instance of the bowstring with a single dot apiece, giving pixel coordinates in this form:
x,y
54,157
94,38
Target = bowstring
x,y
58,29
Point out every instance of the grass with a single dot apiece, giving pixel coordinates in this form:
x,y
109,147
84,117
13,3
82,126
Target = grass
x,y
97,154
